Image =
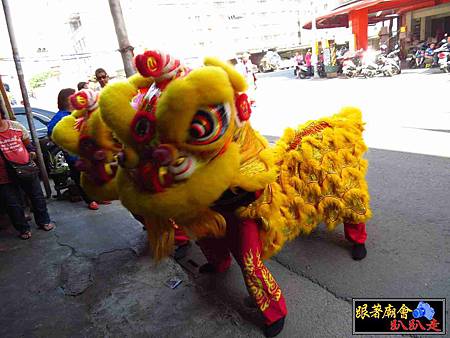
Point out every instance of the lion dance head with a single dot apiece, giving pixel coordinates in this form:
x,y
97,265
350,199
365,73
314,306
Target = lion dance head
x,y
84,134
180,150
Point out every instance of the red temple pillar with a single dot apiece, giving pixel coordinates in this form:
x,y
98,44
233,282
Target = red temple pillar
x,y
359,22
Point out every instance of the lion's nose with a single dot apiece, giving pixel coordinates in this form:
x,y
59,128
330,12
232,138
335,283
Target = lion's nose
x,y
164,154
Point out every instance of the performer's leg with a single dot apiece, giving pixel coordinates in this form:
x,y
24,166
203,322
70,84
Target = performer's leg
x,y
356,233
258,279
217,253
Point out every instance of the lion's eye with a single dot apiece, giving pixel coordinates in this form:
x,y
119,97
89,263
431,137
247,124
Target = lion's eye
x,y
143,127
209,124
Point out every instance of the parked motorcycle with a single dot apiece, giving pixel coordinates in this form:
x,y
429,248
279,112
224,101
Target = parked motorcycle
x,y
321,69
410,57
301,71
370,67
340,59
351,66
394,60
57,167
443,54
386,65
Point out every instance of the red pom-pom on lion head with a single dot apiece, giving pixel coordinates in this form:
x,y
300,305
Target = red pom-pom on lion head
x,y
156,64
84,99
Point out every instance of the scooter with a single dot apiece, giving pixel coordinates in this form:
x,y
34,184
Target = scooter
x,y
352,63
301,71
340,59
369,70
393,59
443,54
57,167
386,65
372,65
321,70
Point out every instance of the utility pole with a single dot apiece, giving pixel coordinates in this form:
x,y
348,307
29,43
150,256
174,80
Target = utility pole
x,y
26,101
122,37
6,101
3,110
314,56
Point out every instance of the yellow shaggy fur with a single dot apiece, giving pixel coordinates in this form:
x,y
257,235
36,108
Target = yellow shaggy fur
x,y
313,174
320,179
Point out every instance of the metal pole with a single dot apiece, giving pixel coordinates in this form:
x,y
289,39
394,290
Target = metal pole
x,y
6,101
26,101
3,110
122,37
314,57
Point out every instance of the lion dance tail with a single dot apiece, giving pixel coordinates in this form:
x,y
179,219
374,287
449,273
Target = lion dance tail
x,y
321,178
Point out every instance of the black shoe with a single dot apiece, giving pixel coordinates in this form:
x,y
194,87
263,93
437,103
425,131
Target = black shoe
x,y
207,268
359,252
275,328
250,302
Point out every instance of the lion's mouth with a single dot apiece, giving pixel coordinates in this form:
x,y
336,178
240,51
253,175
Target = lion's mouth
x,y
98,171
182,168
155,177
95,161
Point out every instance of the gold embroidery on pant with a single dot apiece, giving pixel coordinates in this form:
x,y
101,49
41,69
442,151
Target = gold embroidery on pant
x,y
272,286
255,285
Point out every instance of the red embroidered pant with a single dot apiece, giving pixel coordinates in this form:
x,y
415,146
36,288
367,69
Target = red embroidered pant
x,y
181,238
355,233
243,241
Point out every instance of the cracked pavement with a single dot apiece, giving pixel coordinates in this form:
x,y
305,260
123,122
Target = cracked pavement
x,y
93,277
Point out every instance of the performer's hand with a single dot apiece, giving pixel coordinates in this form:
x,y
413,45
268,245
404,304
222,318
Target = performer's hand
x,y
32,155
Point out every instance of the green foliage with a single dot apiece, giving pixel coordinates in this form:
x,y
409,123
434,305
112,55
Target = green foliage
x,y
38,80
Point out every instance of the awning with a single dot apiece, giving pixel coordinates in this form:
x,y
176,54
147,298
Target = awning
x,y
378,10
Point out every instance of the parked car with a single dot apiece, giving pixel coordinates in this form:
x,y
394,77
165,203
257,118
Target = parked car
x,y
41,118
54,157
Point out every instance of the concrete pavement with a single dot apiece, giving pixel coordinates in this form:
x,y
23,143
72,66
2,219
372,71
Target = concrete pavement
x,y
92,277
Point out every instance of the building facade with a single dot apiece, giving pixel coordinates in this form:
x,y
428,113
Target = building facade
x,y
227,27
427,24
76,37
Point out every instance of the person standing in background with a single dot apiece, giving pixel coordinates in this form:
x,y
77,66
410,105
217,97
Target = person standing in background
x,y
248,71
82,85
16,148
102,77
308,57
298,58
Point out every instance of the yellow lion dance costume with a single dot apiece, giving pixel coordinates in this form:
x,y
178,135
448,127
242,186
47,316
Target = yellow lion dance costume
x,y
190,159
83,133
